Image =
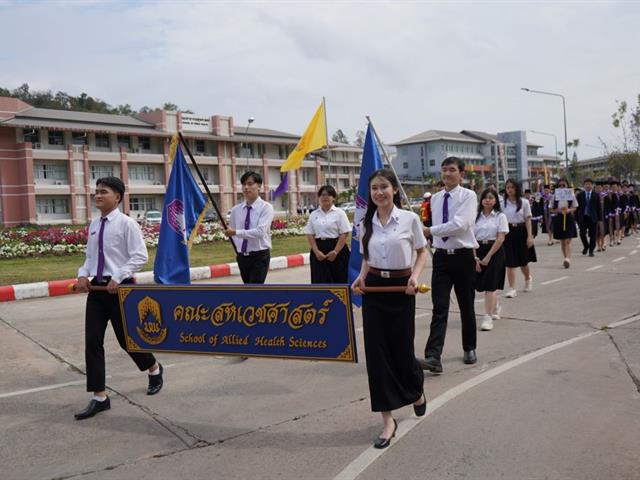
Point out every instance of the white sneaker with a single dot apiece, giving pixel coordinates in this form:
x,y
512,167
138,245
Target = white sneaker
x,y
528,284
511,293
496,316
487,323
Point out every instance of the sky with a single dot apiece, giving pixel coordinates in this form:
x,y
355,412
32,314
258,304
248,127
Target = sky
x,y
410,65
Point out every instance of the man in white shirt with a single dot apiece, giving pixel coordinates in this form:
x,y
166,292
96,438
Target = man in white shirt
x,y
250,227
115,250
454,211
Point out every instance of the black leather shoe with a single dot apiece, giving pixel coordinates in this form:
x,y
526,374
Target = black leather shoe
x,y
470,357
591,254
584,251
155,382
420,410
382,442
430,363
94,407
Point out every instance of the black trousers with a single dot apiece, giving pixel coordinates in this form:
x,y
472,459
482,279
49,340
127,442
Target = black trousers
x,y
455,271
588,226
254,267
102,307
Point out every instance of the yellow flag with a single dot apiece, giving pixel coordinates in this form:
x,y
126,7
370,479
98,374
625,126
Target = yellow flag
x,y
314,138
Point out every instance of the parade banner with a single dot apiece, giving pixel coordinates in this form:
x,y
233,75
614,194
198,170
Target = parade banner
x,y
308,322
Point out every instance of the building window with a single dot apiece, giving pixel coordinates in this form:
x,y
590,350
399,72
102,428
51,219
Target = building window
x,y
52,205
100,171
306,175
144,143
102,140
200,146
142,203
405,165
124,141
432,163
78,138
141,172
46,171
32,136
422,163
421,150
56,137
345,170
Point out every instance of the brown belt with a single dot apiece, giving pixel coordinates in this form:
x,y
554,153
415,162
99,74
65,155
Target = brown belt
x,y
390,273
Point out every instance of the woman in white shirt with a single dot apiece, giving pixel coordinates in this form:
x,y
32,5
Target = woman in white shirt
x,y
490,230
518,244
327,231
564,223
389,236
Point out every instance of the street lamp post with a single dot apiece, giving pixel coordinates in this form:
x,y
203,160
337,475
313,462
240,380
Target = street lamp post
x,y
564,111
246,140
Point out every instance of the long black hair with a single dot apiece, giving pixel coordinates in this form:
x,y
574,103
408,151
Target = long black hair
x,y
518,188
483,195
387,174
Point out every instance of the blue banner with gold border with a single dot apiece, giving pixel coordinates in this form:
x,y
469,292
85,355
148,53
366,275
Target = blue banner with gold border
x,y
308,322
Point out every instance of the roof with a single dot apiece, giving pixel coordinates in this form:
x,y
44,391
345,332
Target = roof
x,y
85,117
435,135
81,126
487,137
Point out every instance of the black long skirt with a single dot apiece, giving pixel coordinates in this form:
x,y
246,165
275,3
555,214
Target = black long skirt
x,y
515,247
491,278
562,231
326,271
395,377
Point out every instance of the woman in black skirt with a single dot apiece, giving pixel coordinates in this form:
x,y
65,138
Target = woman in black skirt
x,y
389,236
564,223
518,244
490,230
327,231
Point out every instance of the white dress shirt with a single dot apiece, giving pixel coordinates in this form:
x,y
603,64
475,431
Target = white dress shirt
x,y
391,247
462,207
330,224
488,227
123,245
510,209
258,234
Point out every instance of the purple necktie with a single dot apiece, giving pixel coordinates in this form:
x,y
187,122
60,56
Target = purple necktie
x,y
247,224
103,221
445,211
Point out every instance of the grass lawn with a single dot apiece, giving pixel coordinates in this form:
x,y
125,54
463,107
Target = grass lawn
x,y
39,269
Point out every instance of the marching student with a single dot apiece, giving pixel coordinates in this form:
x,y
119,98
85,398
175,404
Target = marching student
x,y
536,211
635,209
547,218
250,227
327,230
602,227
610,207
518,244
490,230
389,237
115,251
615,210
564,223
453,212
589,214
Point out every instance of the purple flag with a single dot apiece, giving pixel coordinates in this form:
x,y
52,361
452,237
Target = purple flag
x,y
282,188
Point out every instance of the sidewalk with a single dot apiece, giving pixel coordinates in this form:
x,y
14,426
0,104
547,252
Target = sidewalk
x,y
55,288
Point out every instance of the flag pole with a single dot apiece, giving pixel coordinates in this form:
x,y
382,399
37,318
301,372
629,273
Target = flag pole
x,y
206,187
326,134
386,157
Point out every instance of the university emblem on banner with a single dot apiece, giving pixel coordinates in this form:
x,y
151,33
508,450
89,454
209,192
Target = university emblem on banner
x,y
175,217
150,326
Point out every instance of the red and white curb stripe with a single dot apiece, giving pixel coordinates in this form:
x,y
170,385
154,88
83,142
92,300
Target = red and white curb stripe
x,y
55,288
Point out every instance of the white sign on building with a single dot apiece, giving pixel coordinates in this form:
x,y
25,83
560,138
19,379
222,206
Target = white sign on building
x,y
195,123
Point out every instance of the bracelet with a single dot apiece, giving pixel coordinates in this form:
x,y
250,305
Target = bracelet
x,y
477,259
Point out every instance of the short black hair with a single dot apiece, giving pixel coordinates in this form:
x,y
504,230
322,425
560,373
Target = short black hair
x,y
527,190
458,162
329,189
255,175
114,183
590,180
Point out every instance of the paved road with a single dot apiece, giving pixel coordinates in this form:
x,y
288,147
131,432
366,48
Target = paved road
x,y
553,396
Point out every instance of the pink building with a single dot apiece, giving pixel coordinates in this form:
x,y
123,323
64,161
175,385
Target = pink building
x,y
50,160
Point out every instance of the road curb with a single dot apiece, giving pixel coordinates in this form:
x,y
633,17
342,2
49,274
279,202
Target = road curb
x,y
54,288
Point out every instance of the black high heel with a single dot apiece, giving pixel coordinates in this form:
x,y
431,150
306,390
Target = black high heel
x,y
382,442
420,410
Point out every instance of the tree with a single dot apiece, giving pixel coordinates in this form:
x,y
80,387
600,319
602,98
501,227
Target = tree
x,y
624,156
359,141
172,107
340,137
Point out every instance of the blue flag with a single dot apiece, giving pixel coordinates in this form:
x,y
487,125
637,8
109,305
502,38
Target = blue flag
x,y
282,188
370,163
184,207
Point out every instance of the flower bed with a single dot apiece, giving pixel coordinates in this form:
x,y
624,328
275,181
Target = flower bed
x,y
30,242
